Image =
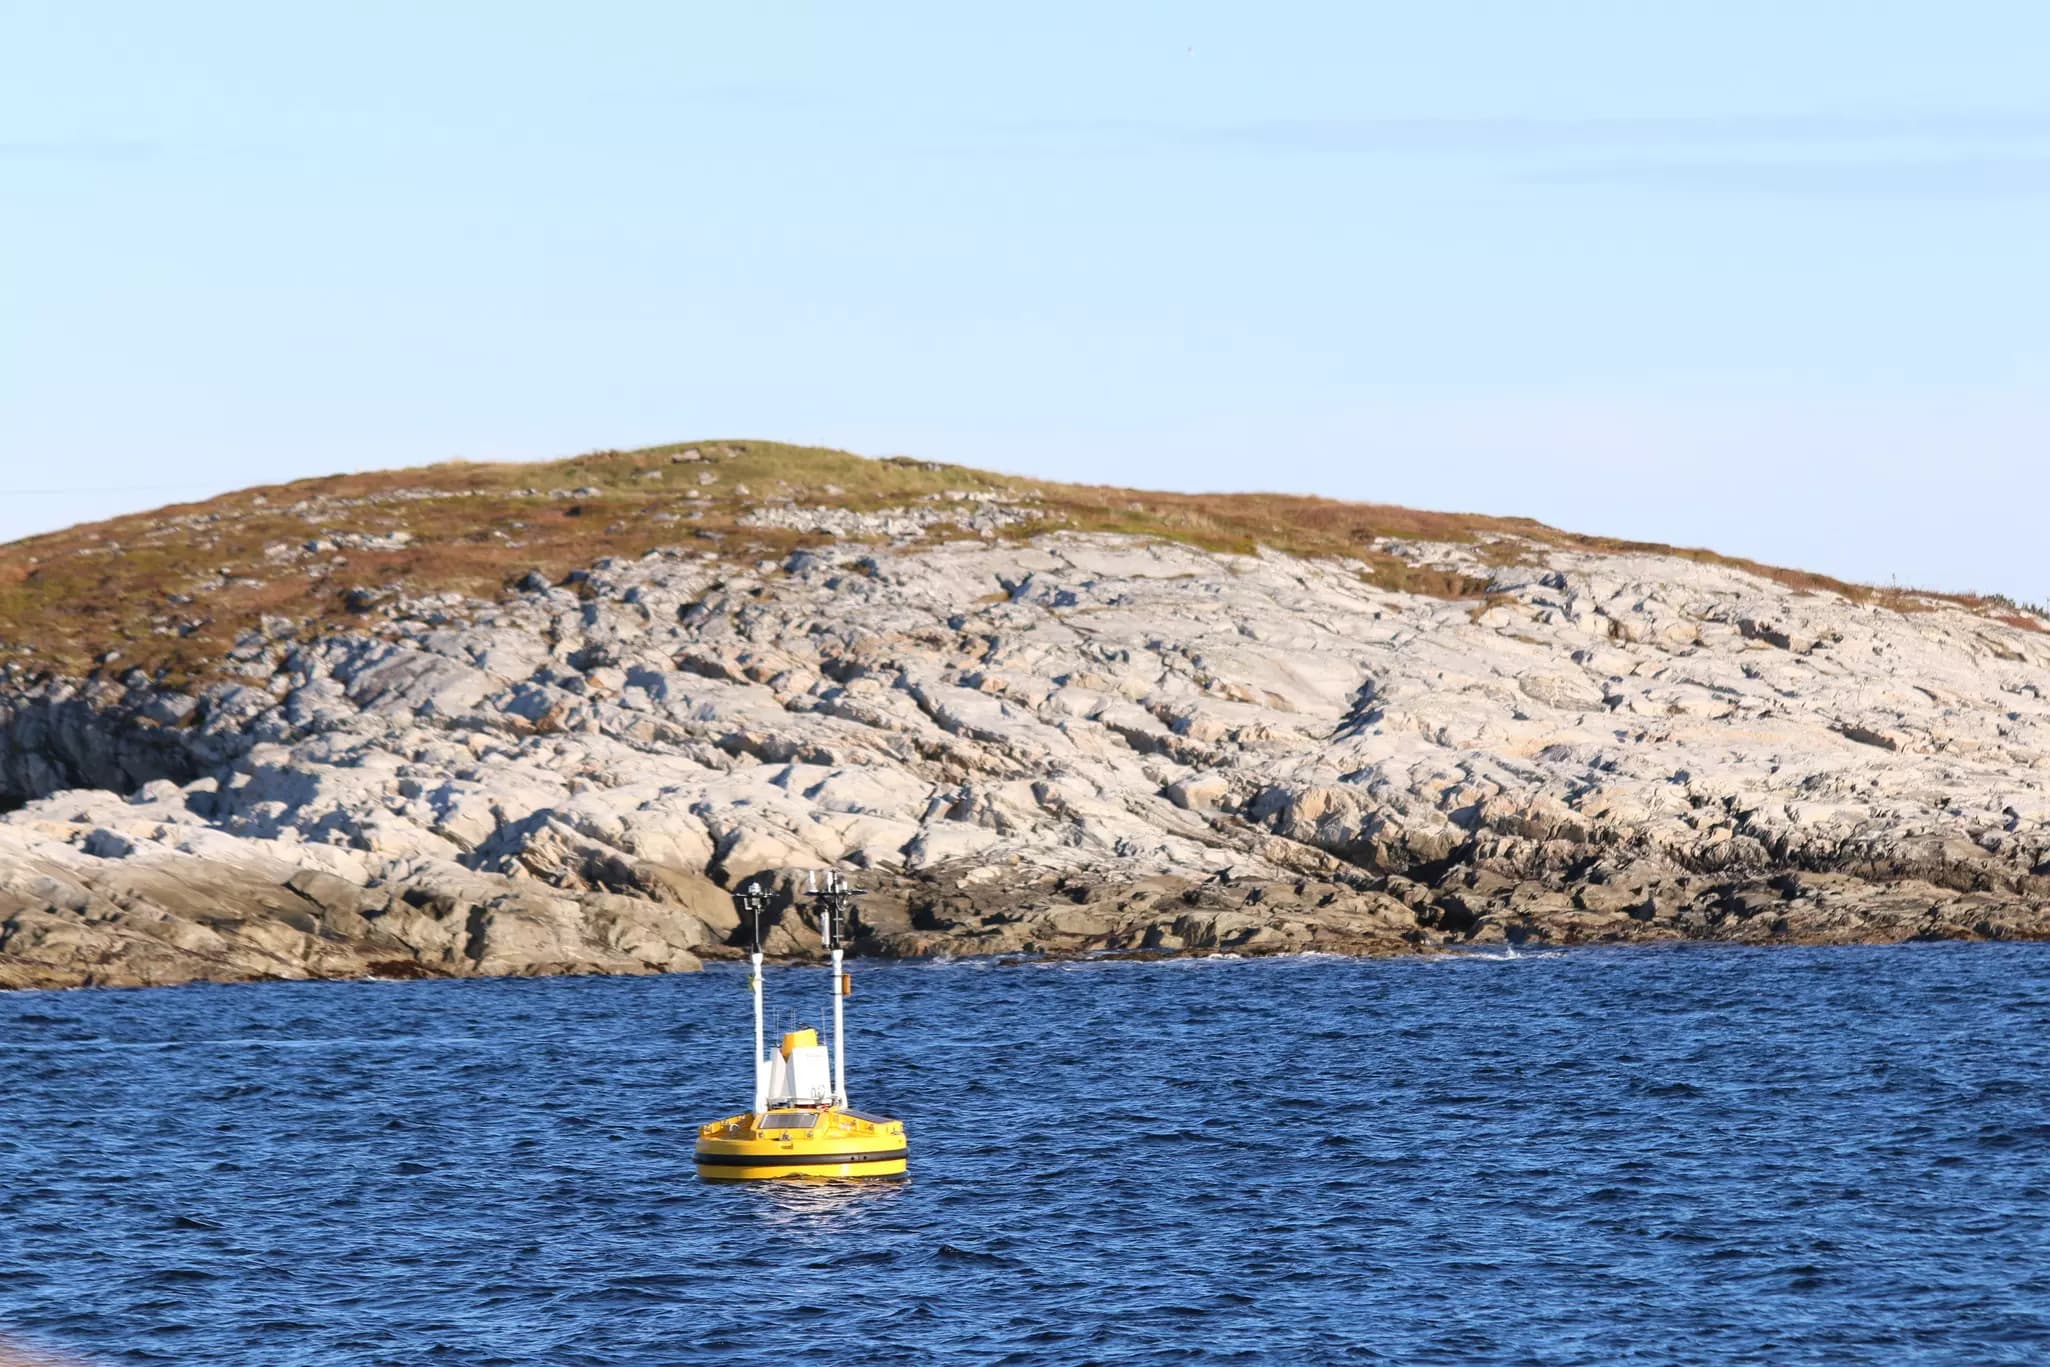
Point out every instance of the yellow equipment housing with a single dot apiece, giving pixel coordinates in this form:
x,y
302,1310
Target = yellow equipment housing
x,y
824,1141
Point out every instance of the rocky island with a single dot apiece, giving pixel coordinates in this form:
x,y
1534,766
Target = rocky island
x,y
530,719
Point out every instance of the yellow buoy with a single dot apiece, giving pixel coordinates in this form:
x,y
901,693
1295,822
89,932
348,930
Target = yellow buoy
x,y
801,1124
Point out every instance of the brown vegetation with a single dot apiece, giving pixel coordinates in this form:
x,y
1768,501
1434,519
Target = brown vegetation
x,y
167,592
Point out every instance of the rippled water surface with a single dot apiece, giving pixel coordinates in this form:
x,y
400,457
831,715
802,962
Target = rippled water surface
x,y
1688,1155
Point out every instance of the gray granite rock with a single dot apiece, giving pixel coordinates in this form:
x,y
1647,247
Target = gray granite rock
x,y
1063,743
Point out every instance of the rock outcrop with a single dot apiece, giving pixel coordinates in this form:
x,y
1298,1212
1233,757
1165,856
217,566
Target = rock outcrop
x,y
1065,742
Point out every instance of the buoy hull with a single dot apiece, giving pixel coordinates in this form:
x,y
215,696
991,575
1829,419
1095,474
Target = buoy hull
x,y
811,1143
752,1171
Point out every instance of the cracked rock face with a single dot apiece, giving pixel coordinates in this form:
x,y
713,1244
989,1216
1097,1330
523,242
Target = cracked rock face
x,y
1066,743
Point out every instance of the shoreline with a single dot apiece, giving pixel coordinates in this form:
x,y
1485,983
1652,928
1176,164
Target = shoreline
x,y
1497,949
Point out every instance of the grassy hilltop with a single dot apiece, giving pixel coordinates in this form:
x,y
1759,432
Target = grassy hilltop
x,y
166,592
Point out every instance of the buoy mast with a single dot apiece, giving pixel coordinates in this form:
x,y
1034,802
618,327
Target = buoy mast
x,y
832,899
751,900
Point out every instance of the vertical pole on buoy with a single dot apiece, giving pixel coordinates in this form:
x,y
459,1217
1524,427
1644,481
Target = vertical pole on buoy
x,y
755,984
839,1001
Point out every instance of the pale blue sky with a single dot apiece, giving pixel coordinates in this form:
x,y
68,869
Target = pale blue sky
x,y
1771,277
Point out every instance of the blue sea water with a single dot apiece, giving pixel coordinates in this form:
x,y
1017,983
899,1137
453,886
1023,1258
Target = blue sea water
x,y
1688,1155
